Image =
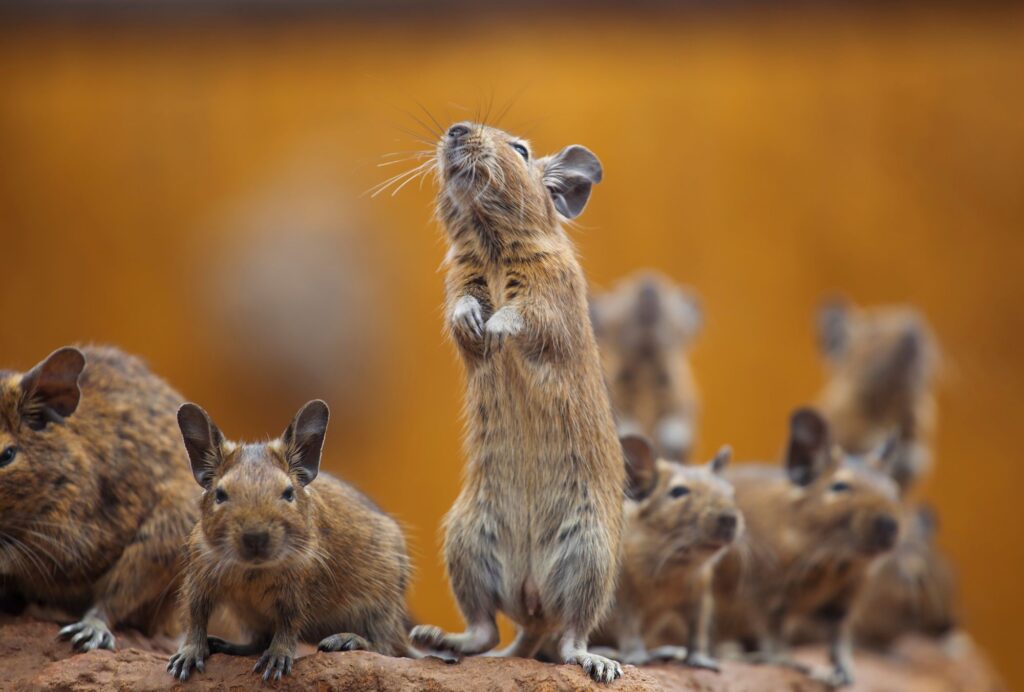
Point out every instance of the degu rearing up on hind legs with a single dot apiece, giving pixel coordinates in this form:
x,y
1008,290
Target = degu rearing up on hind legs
x,y
535,531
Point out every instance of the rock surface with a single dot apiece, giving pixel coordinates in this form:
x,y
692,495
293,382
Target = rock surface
x,y
31,658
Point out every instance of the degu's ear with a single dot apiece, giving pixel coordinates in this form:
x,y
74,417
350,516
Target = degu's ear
x,y
833,327
568,177
304,440
641,472
888,456
808,452
203,440
721,459
49,391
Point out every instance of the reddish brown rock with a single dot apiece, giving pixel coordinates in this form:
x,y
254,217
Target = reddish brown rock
x,y
32,659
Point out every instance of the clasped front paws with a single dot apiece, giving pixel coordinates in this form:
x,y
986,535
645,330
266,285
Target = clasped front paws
x,y
504,323
468,317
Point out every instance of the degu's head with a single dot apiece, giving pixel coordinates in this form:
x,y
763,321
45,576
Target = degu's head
x,y
683,514
496,175
256,508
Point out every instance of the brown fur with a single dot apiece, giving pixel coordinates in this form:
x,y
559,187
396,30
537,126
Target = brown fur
x,y
912,591
645,326
325,566
679,522
97,501
810,544
535,531
882,362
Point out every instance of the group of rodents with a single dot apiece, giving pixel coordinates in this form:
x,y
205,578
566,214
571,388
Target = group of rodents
x,y
580,516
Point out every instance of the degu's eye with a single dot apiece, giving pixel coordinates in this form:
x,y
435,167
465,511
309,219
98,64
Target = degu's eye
x,y
840,487
7,456
219,496
679,491
289,494
522,150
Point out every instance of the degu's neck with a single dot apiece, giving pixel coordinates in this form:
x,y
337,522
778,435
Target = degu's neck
x,y
494,229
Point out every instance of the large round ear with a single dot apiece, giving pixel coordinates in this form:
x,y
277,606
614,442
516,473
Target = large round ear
x,y
721,459
568,177
833,326
50,391
304,440
641,472
892,457
808,452
203,440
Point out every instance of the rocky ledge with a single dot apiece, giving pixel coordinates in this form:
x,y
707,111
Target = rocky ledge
x,y
31,658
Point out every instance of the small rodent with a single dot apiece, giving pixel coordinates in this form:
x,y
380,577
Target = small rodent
x,y
913,590
645,326
679,521
292,560
882,363
814,529
95,500
536,529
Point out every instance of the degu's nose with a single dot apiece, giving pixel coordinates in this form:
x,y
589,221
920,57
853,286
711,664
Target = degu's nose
x,y
457,132
726,528
256,542
886,528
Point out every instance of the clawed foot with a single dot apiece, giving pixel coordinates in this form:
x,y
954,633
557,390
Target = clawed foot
x,y
468,316
345,641
274,663
187,658
599,668
833,677
434,641
88,634
666,653
699,660
503,324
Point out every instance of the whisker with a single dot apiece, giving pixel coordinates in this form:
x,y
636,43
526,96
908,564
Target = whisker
x,y
440,127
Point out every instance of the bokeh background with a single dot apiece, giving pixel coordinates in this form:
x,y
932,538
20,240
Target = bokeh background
x,y
189,182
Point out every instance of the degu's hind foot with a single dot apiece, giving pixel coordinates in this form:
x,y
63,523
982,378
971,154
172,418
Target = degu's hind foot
x,y
574,652
698,660
91,632
666,653
345,641
599,668
475,640
832,677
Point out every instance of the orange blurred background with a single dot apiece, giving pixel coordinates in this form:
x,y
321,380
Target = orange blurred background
x,y
192,189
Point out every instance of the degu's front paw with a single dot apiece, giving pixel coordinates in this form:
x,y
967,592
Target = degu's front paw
x,y
599,668
188,657
468,316
503,324
88,634
274,663
345,641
